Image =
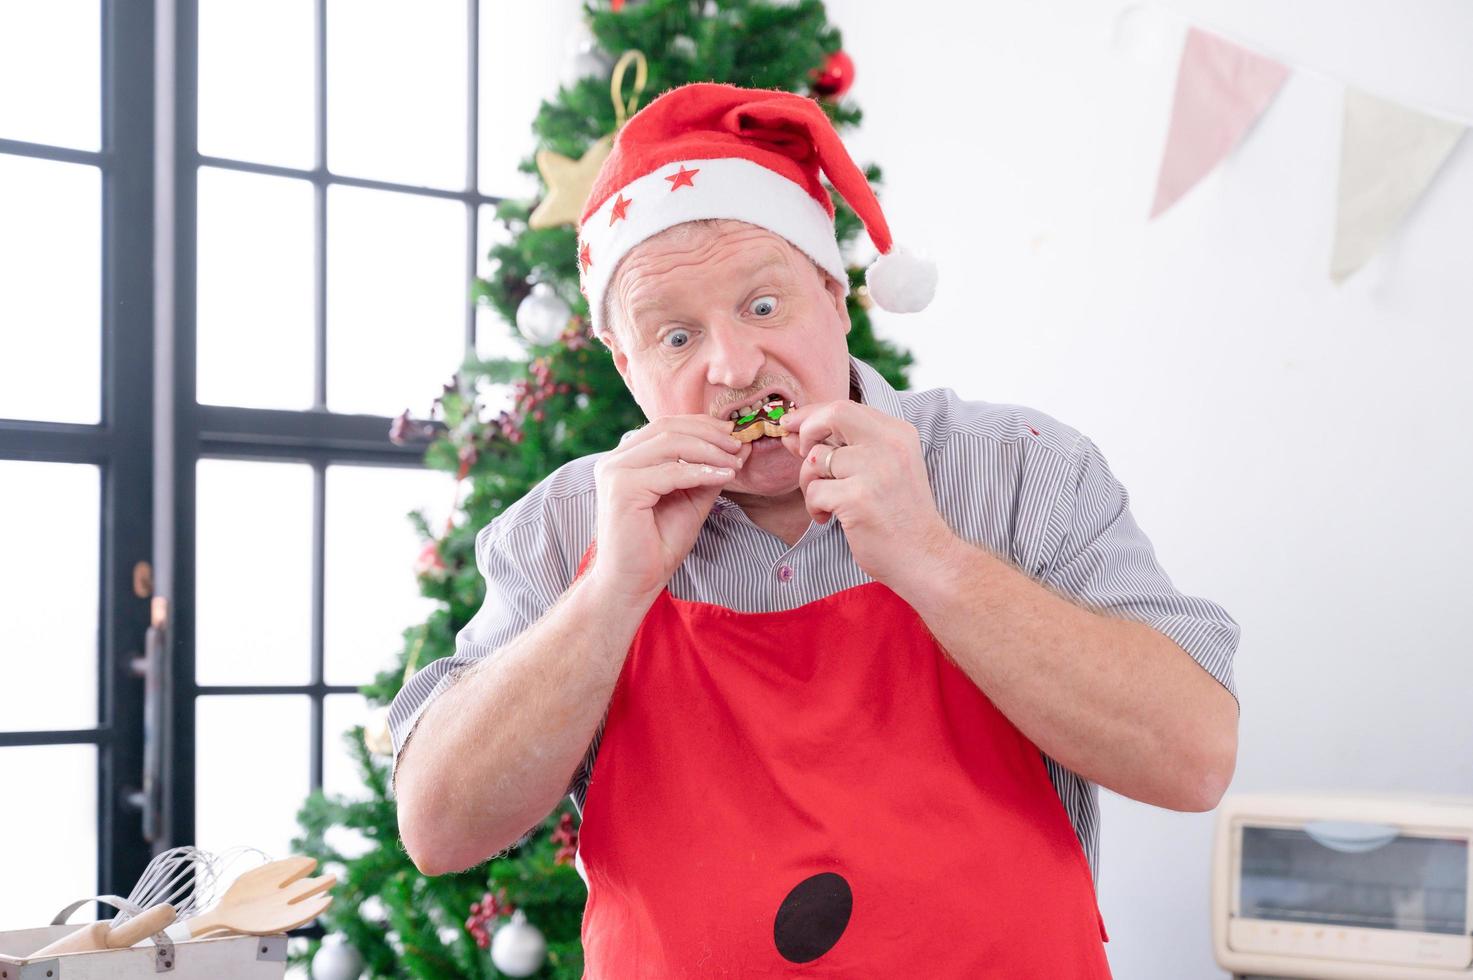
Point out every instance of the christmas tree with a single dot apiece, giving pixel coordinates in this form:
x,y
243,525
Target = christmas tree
x,y
567,401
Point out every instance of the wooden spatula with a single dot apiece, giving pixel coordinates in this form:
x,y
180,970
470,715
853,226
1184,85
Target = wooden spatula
x,y
275,897
106,935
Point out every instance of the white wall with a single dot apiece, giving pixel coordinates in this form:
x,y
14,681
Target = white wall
x,y
1297,451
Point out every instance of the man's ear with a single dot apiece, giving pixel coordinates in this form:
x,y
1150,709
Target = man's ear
x,y
610,339
835,290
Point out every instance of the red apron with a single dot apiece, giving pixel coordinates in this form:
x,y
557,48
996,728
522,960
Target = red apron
x,y
821,792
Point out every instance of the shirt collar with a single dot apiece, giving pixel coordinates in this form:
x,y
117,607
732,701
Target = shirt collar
x,y
874,390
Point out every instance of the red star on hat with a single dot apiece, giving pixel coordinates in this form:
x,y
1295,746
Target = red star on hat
x,y
621,206
769,158
584,257
685,178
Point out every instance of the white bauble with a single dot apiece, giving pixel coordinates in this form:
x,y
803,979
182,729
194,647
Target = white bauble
x,y
585,60
543,316
518,949
336,959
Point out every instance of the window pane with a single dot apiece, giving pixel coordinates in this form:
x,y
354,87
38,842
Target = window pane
x,y
246,113
494,336
251,771
48,595
396,89
396,300
253,561
340,776
255,304
526,50
52,52
50,289
48,850
372,594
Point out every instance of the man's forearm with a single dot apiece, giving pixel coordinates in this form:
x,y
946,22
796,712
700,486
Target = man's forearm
x,y
492,755
1110,699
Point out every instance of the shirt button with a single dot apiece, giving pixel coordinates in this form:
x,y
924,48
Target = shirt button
x,y
784,572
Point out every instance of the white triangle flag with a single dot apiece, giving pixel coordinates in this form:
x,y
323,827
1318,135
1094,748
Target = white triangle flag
x,y
1388,156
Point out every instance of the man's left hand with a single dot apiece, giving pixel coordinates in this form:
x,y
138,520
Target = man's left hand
x,y
879,490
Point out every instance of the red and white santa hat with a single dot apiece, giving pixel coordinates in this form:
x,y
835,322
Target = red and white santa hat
x,y
707,150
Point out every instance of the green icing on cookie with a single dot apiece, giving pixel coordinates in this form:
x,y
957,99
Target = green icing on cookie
x,y
746,418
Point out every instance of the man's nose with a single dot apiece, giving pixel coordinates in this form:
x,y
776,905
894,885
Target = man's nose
x,y
734,357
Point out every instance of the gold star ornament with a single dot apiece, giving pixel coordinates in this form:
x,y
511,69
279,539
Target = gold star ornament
x,y
568,183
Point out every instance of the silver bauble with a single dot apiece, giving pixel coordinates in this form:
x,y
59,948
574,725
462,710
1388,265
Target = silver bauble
x,y
543,316
337,959
518,948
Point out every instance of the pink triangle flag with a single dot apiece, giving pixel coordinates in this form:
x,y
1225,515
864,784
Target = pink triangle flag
x,y
1221,90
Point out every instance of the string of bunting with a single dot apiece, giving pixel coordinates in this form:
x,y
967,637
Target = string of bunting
x,y
1389,152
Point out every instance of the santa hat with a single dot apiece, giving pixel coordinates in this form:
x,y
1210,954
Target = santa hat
x,y
718,151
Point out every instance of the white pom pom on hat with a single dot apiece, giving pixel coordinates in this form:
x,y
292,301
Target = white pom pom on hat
x,y
708,150
901,282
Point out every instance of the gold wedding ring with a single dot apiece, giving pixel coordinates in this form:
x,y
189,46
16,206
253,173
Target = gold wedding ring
x,y
825,468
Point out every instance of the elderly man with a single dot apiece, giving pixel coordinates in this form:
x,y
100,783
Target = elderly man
x,y
831,671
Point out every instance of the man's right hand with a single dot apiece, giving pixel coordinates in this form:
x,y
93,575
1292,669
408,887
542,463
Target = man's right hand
x,y
654,493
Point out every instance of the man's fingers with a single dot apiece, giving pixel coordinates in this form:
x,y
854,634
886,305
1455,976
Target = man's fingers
x,y
678,475
666,446
704,426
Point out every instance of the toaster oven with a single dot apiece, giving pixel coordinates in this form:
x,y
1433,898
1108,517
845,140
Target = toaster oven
x,y
1343,887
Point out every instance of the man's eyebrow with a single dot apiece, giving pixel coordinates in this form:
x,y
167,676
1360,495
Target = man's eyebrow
x,y
771,263
638,310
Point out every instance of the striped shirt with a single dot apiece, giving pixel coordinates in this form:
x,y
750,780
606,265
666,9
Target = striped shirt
x,y
1010,479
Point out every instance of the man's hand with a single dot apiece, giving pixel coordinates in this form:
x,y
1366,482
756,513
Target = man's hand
x,y
654,492
879,490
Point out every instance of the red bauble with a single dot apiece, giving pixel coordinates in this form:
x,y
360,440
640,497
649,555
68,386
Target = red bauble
x,y
834,78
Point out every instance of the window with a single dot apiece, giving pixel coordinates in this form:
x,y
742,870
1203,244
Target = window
x,y
326,239
212,304
75,447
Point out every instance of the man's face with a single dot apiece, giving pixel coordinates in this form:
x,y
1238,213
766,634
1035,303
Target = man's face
x,y
708,319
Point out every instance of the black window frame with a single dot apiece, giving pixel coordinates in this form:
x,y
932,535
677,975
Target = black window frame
x,y
152,432
315,436
120,444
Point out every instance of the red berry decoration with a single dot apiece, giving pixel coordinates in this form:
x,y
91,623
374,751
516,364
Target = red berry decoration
x,y
834,78
488,908
566,835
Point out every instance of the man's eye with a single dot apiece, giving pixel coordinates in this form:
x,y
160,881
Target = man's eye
x,y
680,338
764,305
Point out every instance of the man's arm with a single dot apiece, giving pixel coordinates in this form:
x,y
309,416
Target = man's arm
x,y
493,754
1112,700
1070,659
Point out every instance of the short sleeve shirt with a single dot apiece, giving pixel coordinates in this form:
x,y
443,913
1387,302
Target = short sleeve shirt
x,y
1007,478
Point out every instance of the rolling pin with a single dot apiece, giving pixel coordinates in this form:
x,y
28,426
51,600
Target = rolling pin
x,y
103,935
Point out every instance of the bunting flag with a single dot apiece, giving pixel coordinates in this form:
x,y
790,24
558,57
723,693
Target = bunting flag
x,y
1388,156
1221,90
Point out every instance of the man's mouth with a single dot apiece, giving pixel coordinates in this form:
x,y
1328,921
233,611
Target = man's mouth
x,y
761,418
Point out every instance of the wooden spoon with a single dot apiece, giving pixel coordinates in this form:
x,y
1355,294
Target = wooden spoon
x,y
275,897
105,935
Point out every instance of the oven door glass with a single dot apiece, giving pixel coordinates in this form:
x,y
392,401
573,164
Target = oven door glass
x,y
1348,875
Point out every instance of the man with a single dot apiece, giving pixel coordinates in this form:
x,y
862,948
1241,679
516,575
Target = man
x,y
841,694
